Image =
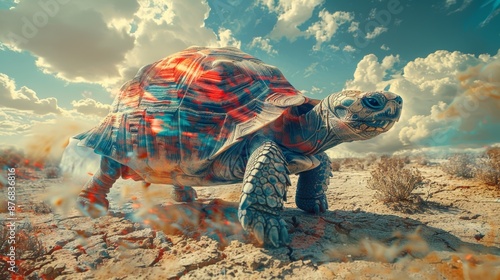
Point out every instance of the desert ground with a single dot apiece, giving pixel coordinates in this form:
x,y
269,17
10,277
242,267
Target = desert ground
x,y
450,231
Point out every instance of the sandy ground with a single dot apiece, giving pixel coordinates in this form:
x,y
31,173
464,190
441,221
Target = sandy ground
x,y
453,234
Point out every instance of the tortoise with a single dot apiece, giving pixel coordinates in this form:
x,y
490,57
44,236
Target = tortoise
x,y
212,116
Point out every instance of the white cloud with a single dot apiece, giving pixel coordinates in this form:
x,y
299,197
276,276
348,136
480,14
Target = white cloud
x,y
450,3
349,48
75,41
263,44
90,106
384,47
370,73
316,90
311,69
450,98
87,94
226,39
106,43
376,32
291,14
25,98
354,27
12,122
463,6
334,48
324,29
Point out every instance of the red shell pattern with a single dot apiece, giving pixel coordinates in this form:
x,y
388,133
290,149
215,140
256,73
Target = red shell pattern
x,y
189,107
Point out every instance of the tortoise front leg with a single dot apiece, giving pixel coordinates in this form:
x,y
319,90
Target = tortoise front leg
x,y
264,188
312,186
92,199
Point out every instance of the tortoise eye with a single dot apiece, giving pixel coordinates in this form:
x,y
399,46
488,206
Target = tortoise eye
x,y
373,103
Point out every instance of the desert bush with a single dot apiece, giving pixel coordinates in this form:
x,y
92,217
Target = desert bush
x,y
460,165
51,172
393,181
10,157
371,159
405,159
28,246
488,168
354,163
421,160
38,207
336,165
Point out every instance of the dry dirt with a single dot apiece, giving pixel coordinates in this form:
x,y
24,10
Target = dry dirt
x,y
453,234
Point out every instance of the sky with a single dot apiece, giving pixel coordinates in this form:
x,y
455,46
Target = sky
x,y
63,61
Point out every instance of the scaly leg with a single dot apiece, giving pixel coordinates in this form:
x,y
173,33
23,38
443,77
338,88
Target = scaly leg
x,y
264,189
92,199
312,186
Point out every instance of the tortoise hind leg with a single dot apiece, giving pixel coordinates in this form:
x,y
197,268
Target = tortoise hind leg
x,y
92,199
264,189
312,186
184,194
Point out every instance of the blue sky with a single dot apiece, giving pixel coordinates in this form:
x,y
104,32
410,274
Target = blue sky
x,y
62,61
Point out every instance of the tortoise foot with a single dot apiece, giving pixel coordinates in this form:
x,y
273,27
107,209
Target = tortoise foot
x,y
314,205
92,205
268,229
184,194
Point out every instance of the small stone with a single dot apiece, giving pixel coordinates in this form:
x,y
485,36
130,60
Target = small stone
x,y
48,270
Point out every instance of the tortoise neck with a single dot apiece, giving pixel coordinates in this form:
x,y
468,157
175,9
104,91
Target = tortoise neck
x,y
307,133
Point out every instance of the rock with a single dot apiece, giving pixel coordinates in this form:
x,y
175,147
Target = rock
x,y
139,257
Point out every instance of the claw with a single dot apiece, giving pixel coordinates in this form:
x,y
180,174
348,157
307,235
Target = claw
x,y
245,221
316,208
258,231
274,237
284,235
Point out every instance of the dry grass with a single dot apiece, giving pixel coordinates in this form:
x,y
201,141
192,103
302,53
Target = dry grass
x,y
51,172
421,160
488,169
27,245
335,165
38,207
354,163
10,157
460,165
393,181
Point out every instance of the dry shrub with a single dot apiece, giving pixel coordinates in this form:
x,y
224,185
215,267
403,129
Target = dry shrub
x,y
27,245
336,165
460,165
371,159
421,160
26,168
11,157
405,159
488,169
51,172
393,181
39,207
354,163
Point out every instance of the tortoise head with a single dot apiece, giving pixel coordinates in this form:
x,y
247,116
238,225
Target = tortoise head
x,y
367,114
341,117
